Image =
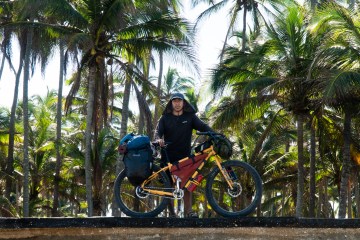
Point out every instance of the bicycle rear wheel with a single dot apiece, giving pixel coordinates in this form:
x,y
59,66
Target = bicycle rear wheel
x,y
246,192
135,202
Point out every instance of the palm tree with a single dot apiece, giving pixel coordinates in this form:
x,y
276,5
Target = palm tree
x,y
174,82
112,29
154,93
192,97
58,131
10,162
237,7
71,190
4,132
55,15
174,7
277,70
26,195
107,147
342,91
42,149
8,14
27,13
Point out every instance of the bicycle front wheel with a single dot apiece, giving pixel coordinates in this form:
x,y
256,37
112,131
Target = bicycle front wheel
x,y
245,194
135,202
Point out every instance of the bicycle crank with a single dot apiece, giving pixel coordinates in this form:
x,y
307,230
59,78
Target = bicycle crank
x,y
178,193
140,192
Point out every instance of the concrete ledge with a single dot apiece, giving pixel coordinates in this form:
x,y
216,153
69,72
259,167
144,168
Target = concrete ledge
x,y
278,233
115,222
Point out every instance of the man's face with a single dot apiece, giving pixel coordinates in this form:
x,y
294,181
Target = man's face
x,y
177,104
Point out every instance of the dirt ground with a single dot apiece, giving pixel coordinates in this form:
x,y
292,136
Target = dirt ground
x,y
179,233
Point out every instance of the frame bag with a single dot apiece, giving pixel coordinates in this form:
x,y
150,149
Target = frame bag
x,y
138,159
184,169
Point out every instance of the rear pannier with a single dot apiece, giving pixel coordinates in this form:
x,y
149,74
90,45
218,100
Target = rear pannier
x,y
138,157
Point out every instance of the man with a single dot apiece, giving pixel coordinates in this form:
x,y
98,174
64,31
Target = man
x,y
175,126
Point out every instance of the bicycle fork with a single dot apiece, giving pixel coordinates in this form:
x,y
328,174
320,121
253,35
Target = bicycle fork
x,y
227,174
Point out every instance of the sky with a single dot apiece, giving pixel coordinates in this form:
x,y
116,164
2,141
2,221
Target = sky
x,y
210,38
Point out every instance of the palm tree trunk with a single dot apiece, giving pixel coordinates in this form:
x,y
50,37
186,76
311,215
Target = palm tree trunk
x,y
349,201
322,188
88,139
145,110
10,160
55,212
243,44
326,197
313,4
312,172
124,117
357,194
98,126
141,123
146,66
351,4
97,174
300,187
26,167
125,107
123,131
321,198
158,89
261,139
231,25
345,165
2,64
111,91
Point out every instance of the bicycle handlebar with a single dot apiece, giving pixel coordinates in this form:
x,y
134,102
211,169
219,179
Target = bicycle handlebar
x,y
209,133
156,144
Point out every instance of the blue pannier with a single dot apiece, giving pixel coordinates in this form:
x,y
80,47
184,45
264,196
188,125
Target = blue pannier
x,y
127,137
137,158
138,142
138,165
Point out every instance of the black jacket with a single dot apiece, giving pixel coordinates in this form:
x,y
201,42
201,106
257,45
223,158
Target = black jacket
x,y
178,130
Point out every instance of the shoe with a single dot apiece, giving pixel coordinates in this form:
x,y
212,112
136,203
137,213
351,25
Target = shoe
x,y
192,215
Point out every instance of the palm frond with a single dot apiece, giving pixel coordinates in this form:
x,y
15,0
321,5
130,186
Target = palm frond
x,y
346,85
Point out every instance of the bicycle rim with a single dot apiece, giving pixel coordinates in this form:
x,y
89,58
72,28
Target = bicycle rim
x,y
245,195
146,205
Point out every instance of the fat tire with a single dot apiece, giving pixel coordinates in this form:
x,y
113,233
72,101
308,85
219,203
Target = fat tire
x,y
257,184
137,214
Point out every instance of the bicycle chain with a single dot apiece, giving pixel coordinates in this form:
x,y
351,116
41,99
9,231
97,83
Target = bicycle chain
x,y
157,188
172,191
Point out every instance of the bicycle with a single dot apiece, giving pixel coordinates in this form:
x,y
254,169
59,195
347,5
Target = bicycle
x,y
233,187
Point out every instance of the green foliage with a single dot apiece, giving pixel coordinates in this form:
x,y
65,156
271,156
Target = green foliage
x,y
289,62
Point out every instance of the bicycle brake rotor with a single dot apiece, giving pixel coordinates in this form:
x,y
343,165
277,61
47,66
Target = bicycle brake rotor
x,y
236,191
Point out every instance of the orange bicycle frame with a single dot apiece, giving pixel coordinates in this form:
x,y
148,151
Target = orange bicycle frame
x,y
211,153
